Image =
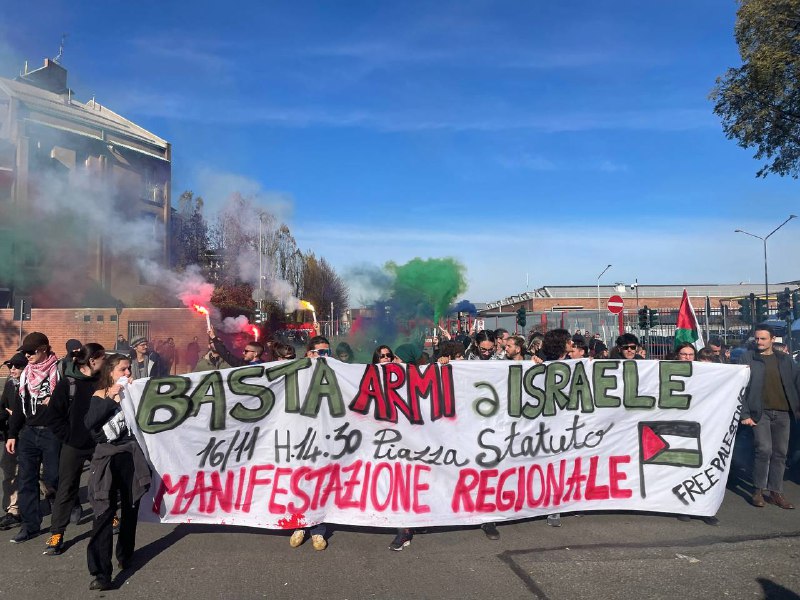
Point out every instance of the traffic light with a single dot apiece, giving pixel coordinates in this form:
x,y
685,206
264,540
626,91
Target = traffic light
x,y
784,304
521,317
746,309
796,304
653,317
259,317
761,310
644,318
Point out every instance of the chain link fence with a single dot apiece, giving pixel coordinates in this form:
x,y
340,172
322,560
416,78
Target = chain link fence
x,y
659,340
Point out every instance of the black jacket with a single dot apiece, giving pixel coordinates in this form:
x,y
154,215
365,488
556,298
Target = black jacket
x,y
66,416
100,411
753,406
10,392
228,357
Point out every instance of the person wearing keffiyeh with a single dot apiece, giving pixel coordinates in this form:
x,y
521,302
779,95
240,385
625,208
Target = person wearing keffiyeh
x,y
29,436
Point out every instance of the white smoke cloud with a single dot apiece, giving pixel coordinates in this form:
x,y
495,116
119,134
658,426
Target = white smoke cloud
x,y
189,286
238,324
217,187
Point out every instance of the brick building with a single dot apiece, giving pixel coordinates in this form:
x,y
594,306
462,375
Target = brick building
x,y
662,297
102,325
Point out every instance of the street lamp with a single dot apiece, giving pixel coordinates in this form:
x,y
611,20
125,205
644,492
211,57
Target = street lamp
x,y
598,293
764,239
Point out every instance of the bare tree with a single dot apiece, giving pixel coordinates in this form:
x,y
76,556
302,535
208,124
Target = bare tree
x,y
323,286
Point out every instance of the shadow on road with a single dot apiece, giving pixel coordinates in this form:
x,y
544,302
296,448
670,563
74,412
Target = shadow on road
x,y
773,591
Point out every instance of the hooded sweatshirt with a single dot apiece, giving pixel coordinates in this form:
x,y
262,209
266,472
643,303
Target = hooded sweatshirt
x,y
66,417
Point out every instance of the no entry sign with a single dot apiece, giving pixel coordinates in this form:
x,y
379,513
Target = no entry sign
x,y
615,304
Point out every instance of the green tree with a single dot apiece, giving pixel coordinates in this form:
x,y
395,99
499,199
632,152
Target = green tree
x,y
759,102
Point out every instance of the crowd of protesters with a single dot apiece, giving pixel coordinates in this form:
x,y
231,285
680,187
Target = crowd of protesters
x,y
55,415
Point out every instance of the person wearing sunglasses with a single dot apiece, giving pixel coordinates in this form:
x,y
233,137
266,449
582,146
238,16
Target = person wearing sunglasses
x,y
318,347
627,344
8,462
251,353
382,355
557,344
29,436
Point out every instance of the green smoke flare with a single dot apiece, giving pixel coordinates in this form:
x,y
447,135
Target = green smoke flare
x,y
435,282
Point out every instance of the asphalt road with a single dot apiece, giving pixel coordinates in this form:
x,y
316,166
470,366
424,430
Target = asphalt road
x,y
753,553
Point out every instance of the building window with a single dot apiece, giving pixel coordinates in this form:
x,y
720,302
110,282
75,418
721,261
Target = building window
x,y
87,318
100,318
138,328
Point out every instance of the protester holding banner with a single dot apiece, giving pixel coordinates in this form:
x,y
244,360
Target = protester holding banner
x,y
119,470
626,346
382,354
514,348
482,347
685,351
318,346
450,350
345,353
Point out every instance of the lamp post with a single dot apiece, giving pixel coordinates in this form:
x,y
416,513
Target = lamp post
x,y
598,294
764,239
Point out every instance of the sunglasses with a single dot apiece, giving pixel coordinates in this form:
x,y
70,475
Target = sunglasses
x,y
628,347
386,355
482,349
322,352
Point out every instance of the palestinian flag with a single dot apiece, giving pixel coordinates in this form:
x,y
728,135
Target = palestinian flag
x,y
687,329
668,443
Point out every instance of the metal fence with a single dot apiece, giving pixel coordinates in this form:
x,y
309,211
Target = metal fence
x,y
659,340
138,328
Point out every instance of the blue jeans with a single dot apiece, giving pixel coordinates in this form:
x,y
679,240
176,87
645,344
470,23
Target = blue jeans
x,y
36,447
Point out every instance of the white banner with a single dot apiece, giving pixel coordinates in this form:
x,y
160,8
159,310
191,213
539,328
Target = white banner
x,y
288,444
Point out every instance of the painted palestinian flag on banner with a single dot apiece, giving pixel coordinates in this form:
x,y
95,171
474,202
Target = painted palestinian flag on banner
x,y
668,443
687,328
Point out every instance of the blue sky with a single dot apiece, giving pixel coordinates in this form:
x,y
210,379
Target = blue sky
x,y
533,141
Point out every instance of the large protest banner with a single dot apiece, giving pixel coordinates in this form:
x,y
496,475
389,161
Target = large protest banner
x,y
294,443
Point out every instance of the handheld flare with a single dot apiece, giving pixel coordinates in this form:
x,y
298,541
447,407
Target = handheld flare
x,y
203,311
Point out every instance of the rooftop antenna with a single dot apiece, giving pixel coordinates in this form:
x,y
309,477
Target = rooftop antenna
x,y
60,48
